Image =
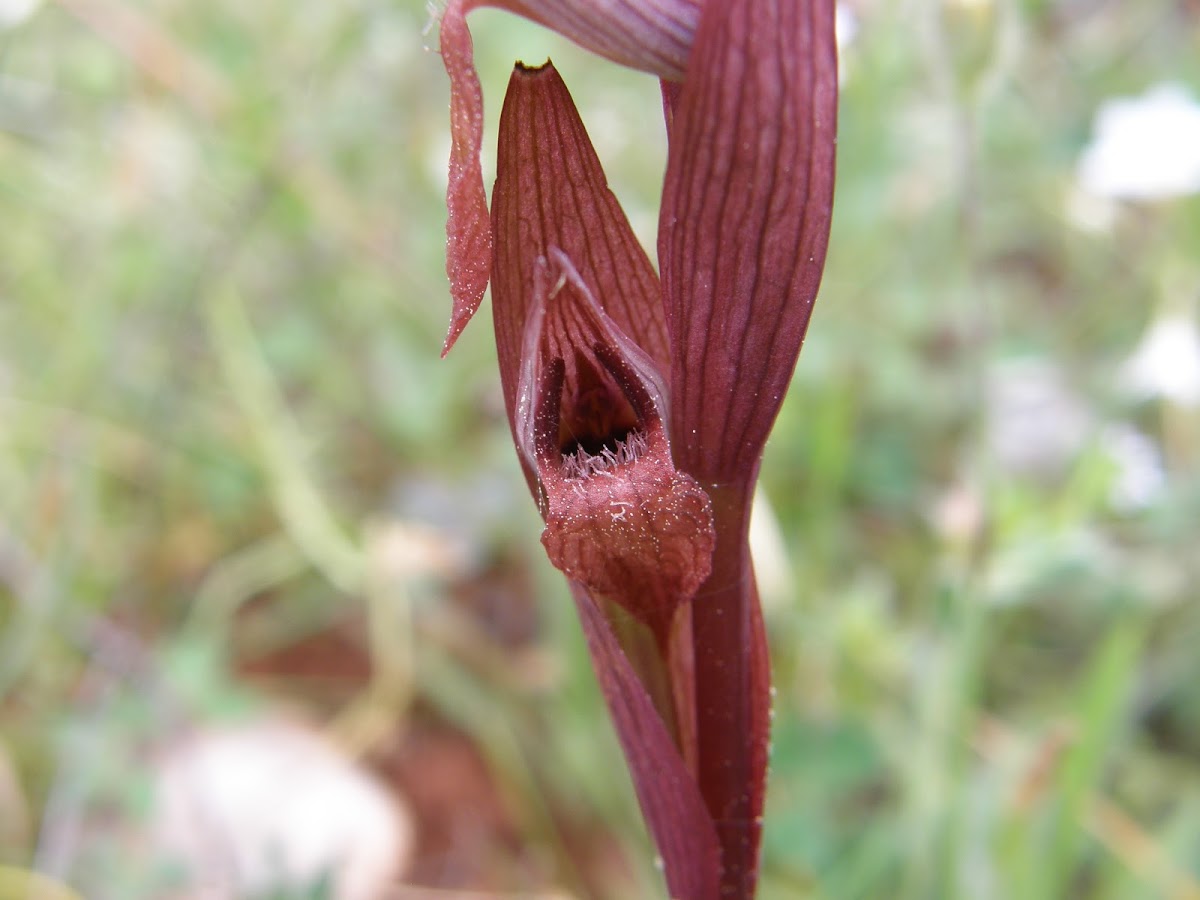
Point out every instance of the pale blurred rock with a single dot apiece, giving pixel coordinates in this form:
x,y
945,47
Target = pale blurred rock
x,y
274,806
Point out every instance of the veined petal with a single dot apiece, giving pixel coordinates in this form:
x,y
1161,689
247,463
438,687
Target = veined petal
x,y
745,221
582,351
742,237
551,192
652,35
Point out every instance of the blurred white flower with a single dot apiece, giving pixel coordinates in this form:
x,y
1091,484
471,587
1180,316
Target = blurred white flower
x,y
1139,479
1166,362
273,806
845,25
1034,422
1145,148
776,584
14,12
846,29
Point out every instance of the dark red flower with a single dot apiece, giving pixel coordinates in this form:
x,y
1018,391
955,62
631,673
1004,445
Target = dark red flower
x,y
641,408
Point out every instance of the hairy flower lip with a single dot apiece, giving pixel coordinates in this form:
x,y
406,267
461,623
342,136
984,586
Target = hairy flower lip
x,y
640,534
620,519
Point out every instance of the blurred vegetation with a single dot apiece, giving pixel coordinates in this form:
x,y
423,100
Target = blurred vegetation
x,y
234,471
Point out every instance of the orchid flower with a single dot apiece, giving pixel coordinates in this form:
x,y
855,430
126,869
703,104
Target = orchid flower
x,y
640,403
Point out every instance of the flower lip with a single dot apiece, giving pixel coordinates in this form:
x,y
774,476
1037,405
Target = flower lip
x,y
590,422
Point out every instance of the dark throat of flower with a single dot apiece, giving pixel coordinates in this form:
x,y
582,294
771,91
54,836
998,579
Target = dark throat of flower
x,y
590,402
605,421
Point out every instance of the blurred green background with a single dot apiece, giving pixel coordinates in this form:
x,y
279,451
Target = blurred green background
x,y
235,476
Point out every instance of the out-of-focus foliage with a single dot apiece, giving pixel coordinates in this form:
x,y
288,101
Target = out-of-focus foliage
x,y
235,475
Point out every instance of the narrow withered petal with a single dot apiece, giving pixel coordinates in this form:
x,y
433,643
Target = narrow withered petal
x,y
468,230
619,518
745,221
651,35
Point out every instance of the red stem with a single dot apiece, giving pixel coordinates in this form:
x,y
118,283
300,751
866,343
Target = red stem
x,y
733,684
